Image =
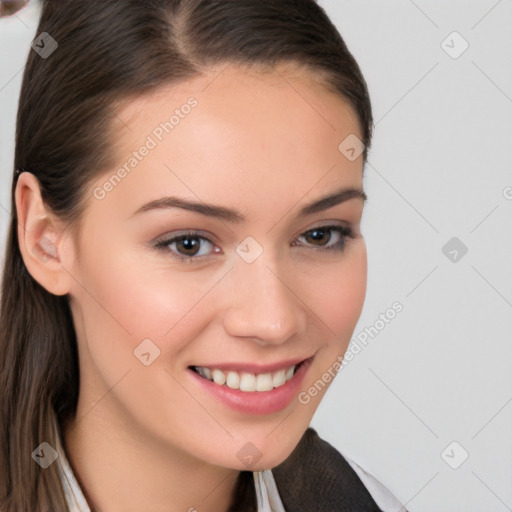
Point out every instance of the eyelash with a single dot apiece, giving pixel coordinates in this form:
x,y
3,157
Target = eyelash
x,y
344,232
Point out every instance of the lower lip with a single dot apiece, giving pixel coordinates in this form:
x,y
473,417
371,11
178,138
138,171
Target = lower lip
x,y
256,402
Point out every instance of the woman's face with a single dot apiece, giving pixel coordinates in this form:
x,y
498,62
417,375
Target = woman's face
x,y
254,292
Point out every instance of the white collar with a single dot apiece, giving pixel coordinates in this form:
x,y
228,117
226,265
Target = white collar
x,y
267,495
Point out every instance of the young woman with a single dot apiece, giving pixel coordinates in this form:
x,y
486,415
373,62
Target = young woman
x,y
185,265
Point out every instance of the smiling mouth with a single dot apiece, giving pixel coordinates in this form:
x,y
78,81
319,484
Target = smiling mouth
x,y
246,381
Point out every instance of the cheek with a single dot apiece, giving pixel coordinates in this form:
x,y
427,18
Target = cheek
x,y
338,304
340,301
347,289
126,303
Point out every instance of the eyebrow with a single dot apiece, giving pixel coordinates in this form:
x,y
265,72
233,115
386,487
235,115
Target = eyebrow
x,y
230,215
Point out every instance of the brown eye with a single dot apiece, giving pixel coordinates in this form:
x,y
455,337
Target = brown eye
x,y
327,238
318,236
187,246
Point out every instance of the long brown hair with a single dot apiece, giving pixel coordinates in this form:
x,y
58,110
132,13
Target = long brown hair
x,y
109,50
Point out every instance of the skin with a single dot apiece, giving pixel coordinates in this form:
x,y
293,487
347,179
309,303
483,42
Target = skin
x,y
147,437
9,7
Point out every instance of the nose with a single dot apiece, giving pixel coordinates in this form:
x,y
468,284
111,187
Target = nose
x,y
262,304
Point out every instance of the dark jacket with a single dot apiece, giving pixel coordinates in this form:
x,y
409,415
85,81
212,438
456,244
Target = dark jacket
x,y
314,478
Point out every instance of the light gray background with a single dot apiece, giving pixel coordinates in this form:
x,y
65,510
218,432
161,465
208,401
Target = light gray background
x,y
439,168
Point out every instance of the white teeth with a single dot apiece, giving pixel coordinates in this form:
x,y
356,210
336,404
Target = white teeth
x,y
264,382
278,378
245,381
219,377
233,380
204,372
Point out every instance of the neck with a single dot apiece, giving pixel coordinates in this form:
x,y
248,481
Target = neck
x,y
120,469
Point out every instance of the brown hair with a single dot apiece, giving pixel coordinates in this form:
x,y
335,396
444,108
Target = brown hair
x,y
110,50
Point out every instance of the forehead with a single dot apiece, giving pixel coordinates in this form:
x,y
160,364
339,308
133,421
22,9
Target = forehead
x,y
235,134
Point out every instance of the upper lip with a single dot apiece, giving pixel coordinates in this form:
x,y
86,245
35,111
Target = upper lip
x,y
252,367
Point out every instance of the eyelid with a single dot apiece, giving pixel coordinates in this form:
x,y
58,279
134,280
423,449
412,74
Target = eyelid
x,y
345,230
199,233
325,224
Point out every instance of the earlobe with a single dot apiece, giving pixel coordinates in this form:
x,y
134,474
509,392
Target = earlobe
x,y
40,237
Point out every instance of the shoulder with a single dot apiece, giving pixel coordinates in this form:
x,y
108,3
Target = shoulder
x,y
316,474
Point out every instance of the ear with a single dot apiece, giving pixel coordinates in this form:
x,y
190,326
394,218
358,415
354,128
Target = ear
x,y
47,250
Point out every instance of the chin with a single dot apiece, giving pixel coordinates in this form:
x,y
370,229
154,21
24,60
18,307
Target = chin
x,y
277,450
